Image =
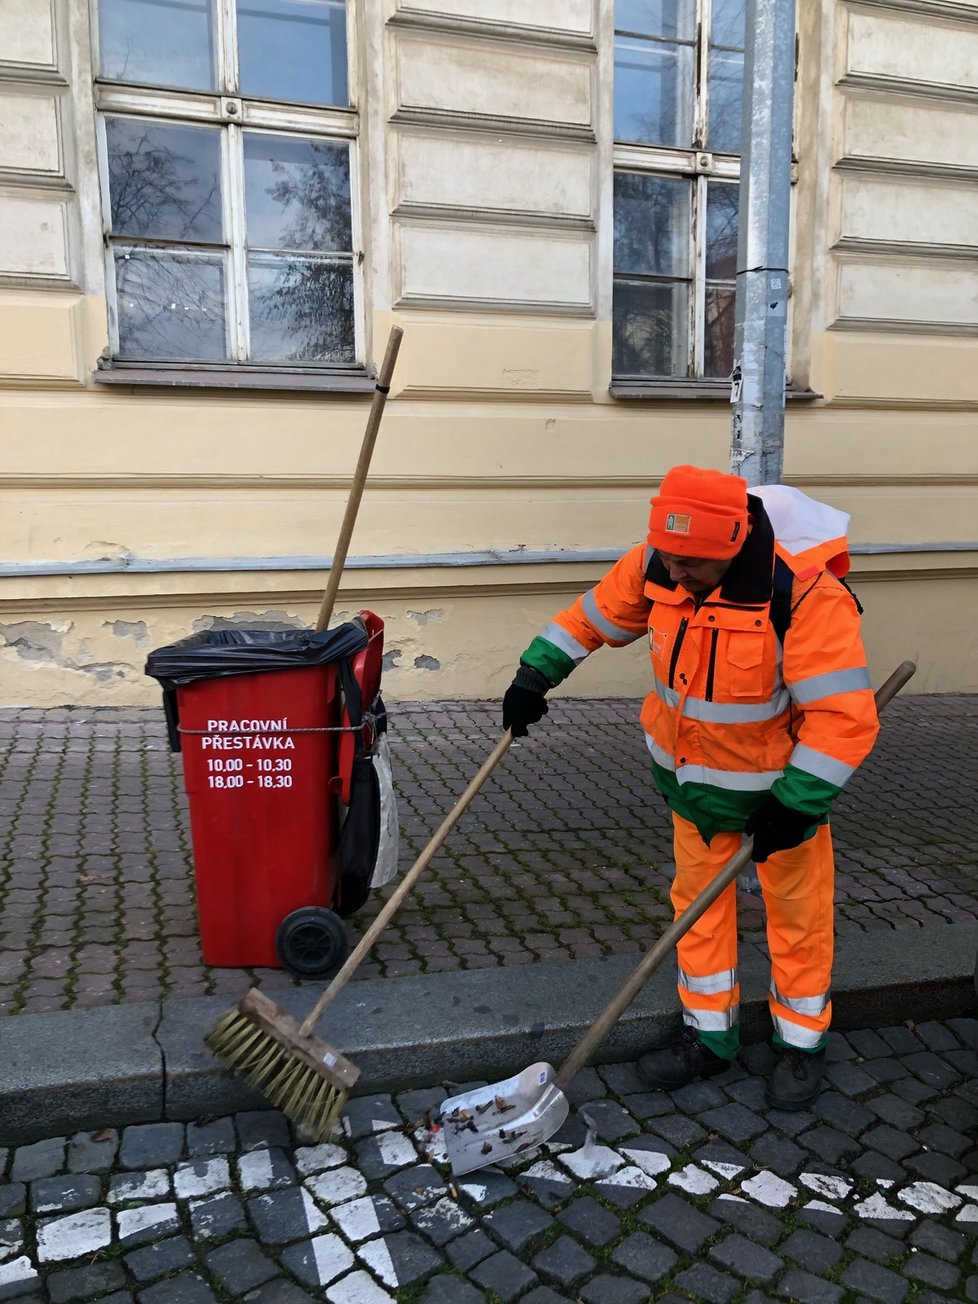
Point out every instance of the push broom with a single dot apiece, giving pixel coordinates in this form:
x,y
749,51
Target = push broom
x,y
257,1039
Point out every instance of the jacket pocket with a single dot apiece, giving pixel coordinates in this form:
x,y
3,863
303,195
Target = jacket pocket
x,y
746,664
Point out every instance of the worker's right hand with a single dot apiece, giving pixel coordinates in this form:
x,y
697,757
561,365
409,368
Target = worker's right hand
x,y
525,703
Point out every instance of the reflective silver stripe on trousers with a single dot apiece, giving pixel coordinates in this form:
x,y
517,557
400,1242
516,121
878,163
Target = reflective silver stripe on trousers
x,y
559,637
816,687
603,625
795,1035
712,1020
710,984
820,765
731,780
813,1006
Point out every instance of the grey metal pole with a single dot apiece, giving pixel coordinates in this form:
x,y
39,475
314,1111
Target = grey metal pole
x,y
757,436
760,332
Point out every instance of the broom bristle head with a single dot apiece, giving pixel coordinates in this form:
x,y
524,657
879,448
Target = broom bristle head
x,y
299,1089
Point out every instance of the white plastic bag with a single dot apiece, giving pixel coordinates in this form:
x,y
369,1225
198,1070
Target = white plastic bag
x,y
390,828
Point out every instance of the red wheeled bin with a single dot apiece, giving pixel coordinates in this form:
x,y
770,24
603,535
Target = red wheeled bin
x,y
271,725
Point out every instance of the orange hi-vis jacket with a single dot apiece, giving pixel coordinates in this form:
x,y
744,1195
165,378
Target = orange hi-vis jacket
x,y
733,714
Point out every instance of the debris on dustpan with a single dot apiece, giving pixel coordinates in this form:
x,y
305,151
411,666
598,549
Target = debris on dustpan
x,y
504,1120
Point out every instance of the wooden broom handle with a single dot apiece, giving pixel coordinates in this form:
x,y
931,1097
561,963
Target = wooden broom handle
x,y
359,477
647,966
405,886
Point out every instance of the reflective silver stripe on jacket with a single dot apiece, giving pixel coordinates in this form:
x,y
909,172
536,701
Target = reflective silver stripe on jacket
x,y
710,984
820,765
732,780
649,550
712,1020
813,1006
795,1035
603,625
559,637
697,708
814,688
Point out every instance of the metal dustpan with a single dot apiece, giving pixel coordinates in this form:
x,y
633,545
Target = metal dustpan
x,y
503,1119
514,1117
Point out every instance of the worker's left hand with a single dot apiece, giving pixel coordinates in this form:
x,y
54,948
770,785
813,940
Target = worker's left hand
x,y
777,827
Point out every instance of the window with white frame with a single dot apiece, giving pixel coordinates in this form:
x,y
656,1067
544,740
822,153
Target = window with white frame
x,y
678,89
227,157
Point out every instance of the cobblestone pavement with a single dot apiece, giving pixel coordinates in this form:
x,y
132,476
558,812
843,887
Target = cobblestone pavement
x,y
703,1194
565,853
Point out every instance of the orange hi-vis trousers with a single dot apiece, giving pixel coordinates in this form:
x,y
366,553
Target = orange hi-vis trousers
x,y
798,887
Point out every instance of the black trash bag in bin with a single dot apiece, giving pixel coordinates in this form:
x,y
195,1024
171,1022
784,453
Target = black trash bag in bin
x,y
359,840
217,653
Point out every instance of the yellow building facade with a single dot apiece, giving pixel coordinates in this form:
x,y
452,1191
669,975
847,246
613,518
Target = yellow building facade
x,y
145,499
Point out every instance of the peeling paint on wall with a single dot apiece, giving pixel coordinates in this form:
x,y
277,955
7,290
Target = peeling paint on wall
x,y
249,620
391,658
102,671
35,641
423,617
134,629
426,663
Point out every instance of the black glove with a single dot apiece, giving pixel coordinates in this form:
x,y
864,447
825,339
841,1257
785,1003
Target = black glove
x,y
777,827
524,703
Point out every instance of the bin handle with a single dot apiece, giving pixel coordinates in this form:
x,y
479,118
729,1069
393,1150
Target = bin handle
x,y
359,477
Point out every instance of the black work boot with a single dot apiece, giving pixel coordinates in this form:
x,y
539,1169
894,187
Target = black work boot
x,y
681,1060
796,1078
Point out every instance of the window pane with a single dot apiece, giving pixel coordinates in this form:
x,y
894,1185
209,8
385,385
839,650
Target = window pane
x,y
293,50
719,337
653,92
727,23
650,329
171,305
158,43
652,224
297,193
722,204
675,18
726,91
164,180
301,309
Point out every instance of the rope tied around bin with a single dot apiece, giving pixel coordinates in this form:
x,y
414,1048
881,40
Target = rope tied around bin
x,y
369,719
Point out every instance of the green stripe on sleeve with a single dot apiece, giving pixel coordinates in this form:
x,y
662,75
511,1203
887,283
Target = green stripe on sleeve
x,y
805,792
553,664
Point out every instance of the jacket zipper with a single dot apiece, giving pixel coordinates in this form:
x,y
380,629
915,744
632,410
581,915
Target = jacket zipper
x,y
714,636
680,635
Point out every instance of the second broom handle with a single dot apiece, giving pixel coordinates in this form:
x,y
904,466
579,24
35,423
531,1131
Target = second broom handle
x,y
647,966
359,478
406,884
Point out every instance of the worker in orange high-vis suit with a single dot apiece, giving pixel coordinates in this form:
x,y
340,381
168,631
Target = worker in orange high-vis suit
x,y
747,734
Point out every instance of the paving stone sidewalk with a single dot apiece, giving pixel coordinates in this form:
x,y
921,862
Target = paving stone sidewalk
x,y
702,1194
564,855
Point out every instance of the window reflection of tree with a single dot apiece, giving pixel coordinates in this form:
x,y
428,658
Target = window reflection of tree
x,y
651,268
156,190
169,305
312,298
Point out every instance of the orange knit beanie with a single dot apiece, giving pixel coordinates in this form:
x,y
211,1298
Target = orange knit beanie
x,y
699,513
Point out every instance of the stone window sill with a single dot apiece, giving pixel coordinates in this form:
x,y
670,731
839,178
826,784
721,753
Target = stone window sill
x,y
693,390
177,377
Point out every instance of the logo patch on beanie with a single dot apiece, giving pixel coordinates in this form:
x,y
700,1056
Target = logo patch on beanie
x,y
678,524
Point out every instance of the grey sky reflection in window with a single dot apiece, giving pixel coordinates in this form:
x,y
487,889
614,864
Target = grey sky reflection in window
x,y
158,43
293,50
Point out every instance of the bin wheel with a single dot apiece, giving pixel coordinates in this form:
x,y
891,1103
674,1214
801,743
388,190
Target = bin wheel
x,y
311,942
